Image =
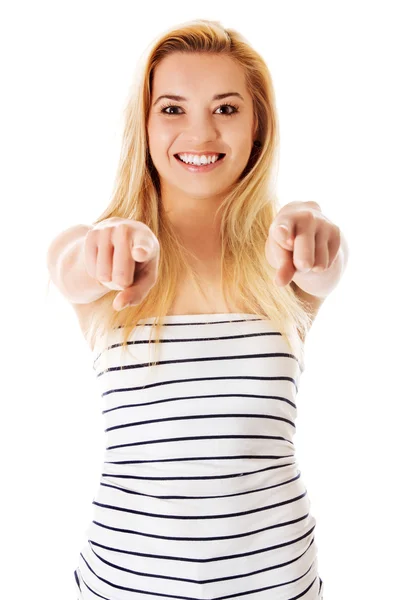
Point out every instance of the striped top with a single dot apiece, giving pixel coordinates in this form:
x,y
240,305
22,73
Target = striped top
x,y
200,494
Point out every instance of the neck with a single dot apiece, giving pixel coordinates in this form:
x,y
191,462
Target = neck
x,y
195,221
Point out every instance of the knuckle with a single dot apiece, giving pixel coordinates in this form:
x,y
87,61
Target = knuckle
x,y
102,230
308,217
91,240
91,233
123,226
313,203
103,240
120,231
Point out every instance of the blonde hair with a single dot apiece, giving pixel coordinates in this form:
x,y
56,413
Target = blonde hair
x,y
246,212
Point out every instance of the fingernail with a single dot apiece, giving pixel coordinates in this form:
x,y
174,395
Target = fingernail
x,y
144,248
112,286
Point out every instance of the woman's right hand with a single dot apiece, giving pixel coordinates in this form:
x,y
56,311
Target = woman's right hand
x,y
123,254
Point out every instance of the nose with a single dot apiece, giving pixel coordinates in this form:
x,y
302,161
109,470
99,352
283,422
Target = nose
x,y
201,129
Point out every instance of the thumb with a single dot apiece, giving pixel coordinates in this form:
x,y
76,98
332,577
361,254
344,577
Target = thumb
x,y
140,253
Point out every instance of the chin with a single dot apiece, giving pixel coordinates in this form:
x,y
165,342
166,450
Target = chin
x,y
205,189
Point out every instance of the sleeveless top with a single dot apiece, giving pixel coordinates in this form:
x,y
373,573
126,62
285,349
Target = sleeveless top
x,y
200,495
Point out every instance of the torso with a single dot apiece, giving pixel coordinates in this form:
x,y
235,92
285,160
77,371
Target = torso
x,y
188,301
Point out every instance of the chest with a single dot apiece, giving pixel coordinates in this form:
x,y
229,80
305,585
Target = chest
x,y
208,299
189,300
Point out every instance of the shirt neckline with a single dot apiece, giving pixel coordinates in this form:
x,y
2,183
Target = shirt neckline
x,y
202,317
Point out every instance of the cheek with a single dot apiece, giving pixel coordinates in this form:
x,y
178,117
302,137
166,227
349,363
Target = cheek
x,y
160,135
239,135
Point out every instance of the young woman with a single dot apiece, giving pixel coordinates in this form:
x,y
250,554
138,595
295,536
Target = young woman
x,y
201,495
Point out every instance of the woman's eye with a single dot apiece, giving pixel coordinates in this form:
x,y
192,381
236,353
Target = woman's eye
x,y
232,109
163,110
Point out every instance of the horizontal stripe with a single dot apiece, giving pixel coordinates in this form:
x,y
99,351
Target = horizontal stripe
x,y
200,495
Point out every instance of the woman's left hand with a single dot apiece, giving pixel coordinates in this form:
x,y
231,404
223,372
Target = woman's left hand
x,y
310,241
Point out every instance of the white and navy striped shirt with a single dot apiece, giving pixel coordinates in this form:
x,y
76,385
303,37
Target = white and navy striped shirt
x,y
200,495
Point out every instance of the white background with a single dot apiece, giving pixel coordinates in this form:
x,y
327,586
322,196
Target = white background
x,y
66,71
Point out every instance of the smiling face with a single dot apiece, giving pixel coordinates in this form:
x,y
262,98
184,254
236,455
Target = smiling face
x,y
199,123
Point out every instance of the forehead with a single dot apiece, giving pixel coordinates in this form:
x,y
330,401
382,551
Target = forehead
x,y
185,74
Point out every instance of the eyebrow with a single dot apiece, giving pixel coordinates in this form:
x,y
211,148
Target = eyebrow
x,y
182,99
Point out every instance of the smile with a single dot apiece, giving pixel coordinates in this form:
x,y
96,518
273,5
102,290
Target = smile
x,y
200,168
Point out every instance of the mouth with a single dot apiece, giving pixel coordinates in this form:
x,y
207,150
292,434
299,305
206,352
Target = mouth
x,y
193,168
220,157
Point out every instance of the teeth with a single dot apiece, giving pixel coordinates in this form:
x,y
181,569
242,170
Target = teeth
x,y
198,160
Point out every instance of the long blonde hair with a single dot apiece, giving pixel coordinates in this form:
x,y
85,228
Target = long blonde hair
x,y
246,213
